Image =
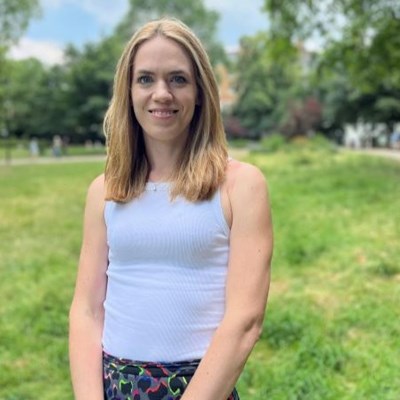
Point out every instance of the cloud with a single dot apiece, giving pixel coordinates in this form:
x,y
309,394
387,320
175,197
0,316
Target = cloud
x,y
48,52
106,12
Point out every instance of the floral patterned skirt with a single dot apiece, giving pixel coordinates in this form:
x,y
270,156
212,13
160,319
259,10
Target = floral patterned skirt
x,y
132,380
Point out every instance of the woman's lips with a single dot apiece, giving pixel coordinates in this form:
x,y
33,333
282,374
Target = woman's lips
x,y
163,113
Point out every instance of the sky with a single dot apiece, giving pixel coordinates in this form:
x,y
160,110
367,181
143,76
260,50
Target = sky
x,y
82,21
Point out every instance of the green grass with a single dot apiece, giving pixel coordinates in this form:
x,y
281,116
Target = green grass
x,y
40,234
332,326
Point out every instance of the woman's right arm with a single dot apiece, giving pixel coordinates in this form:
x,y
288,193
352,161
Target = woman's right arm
x,y
87,311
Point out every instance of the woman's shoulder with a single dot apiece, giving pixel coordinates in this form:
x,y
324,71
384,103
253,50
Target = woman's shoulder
x,y
96,190
240,174
247,192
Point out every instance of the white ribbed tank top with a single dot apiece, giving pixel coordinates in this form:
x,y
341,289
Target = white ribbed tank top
x,y
166,276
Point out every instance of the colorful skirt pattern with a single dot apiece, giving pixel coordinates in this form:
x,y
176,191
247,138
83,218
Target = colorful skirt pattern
x,y
131,380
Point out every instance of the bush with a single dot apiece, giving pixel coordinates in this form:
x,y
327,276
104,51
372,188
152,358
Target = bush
x,y
273,143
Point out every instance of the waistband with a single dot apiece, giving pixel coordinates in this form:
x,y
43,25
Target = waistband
x,y
153,369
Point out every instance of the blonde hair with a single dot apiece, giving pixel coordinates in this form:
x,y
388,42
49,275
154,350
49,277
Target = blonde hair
x,y
201,167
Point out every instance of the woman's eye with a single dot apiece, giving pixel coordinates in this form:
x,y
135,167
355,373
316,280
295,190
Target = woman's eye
x,y
179,79
144,79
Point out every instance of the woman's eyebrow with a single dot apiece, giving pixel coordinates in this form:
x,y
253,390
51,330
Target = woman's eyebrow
x,y
178,71
173,72
143,72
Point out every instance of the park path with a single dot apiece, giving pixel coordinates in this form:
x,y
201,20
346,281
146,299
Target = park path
x,y
51,160
388,153
234,153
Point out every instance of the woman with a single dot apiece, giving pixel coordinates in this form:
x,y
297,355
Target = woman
x,y
174,269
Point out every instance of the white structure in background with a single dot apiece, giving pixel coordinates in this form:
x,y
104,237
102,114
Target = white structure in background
x,y
364,134
395,137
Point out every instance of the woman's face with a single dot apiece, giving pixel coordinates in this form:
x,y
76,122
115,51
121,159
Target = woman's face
x,y
164,91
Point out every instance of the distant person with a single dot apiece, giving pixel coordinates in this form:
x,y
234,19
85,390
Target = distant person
x,y
34,148
57,146
175,262
64,145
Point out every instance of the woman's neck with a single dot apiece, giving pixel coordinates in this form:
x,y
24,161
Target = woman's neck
x,y
163,161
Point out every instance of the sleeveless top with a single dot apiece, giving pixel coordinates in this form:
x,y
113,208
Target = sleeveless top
x,y
166,276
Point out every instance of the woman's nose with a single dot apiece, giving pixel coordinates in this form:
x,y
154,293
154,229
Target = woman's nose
x,y
162,92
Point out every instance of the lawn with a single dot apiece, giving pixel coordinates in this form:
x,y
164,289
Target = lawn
x,y
332,326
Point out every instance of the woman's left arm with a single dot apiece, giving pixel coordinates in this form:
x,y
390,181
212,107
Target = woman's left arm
x,y
248,279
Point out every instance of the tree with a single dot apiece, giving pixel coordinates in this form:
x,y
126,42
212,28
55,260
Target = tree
x,y
272,87
88,86
24,87
358,75
14,18
192,12
68,100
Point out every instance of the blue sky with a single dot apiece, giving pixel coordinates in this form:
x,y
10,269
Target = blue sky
x,y
82,21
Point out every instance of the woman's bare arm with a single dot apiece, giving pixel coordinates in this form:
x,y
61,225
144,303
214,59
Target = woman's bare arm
x,y
87,313
247,287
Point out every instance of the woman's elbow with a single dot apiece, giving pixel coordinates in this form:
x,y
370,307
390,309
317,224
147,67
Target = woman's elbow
x,y
249,329
254,330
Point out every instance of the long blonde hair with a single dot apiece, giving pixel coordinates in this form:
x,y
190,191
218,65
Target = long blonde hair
x,y
201,167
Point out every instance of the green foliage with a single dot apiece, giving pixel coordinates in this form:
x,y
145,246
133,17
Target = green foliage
x,y
14,18
194,13
25,90
68,100
87,87
357,74
239,143
303,148
267,76
349,94
272,143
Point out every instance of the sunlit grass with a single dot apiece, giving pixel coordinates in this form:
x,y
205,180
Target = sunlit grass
x,y
40,234
332,325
